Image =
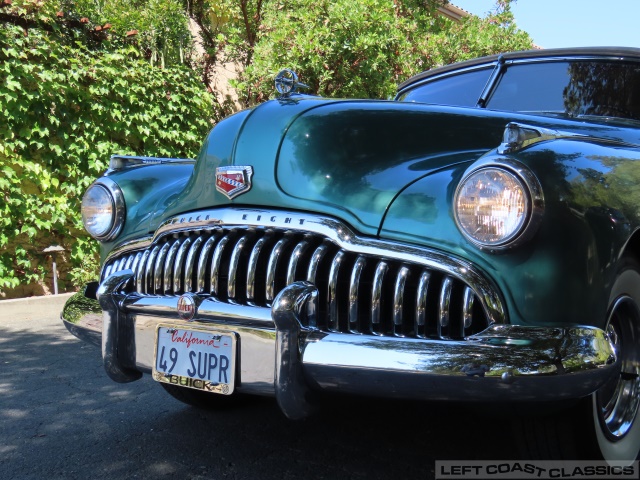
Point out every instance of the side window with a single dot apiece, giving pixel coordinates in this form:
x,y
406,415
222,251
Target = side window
x,y
535,87
608,89
461,90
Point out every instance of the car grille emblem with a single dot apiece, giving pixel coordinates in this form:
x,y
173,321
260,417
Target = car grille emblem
x,y
233,181
187,307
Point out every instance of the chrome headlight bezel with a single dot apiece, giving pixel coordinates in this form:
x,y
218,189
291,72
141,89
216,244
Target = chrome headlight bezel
x,y
115,200
533,198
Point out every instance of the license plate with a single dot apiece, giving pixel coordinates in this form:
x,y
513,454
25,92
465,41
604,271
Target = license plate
x,y
196,358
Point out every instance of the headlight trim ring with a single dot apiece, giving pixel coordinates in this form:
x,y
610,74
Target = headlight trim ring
x,y
117,206
531,188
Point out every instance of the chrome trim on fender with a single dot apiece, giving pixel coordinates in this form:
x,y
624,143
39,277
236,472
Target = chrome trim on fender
x,y
120,162
518,136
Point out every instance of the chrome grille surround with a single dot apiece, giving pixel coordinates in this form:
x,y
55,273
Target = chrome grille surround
x,y
367,286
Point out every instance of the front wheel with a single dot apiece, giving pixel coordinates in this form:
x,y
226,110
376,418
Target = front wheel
x,y
606,425
615,405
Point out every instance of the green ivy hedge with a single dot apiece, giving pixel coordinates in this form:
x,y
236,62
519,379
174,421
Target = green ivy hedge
x,y
67,103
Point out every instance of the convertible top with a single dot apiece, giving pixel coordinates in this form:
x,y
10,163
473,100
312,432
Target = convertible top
x,y
612,52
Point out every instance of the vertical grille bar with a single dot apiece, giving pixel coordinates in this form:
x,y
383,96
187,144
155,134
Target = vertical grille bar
x,y
316,258
190,264
178,266
116,265
298,251
136,262
140,275
215,264
203,260
444,306
149,272
233,266
421,305
128,263
158,267
107,271
332,299
272,266
398,301
467,308
252,268
376,297
168,266
356,273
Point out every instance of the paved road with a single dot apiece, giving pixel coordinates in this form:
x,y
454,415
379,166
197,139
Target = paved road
x,y
61,417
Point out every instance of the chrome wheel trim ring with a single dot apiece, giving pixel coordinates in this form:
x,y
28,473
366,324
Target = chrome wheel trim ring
x,y
617,402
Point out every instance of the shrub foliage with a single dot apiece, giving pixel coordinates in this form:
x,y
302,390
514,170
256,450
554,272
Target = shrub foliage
x,y
69,99
366,48
77,87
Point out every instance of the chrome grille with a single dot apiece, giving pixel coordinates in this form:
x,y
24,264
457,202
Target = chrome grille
x,y
360,294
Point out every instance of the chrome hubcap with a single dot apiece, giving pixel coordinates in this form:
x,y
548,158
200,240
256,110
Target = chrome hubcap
x,y
618,400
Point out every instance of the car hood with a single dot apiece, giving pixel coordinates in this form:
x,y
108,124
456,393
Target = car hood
x,y
361,155
348,159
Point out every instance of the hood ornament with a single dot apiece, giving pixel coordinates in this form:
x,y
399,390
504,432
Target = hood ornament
x,y
233,180
287,83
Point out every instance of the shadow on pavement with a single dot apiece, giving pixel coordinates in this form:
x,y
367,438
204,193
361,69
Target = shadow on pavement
x,y
63,418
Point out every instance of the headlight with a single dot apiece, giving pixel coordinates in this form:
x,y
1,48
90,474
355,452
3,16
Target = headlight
x,y
103,209
494,205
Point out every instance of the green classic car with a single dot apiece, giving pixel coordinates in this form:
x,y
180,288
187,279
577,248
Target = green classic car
x,y
476,239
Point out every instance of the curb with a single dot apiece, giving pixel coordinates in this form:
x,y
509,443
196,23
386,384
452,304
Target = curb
x,y
31,308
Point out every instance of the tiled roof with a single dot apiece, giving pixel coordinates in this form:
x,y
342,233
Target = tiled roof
x,y
453,12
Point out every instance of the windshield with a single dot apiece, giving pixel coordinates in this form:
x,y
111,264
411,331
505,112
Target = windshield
x,y
574,88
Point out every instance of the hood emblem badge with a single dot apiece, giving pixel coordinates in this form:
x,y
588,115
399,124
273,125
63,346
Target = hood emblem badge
x,y
234,180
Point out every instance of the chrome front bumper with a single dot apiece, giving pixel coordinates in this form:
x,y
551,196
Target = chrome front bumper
x,y
281,352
